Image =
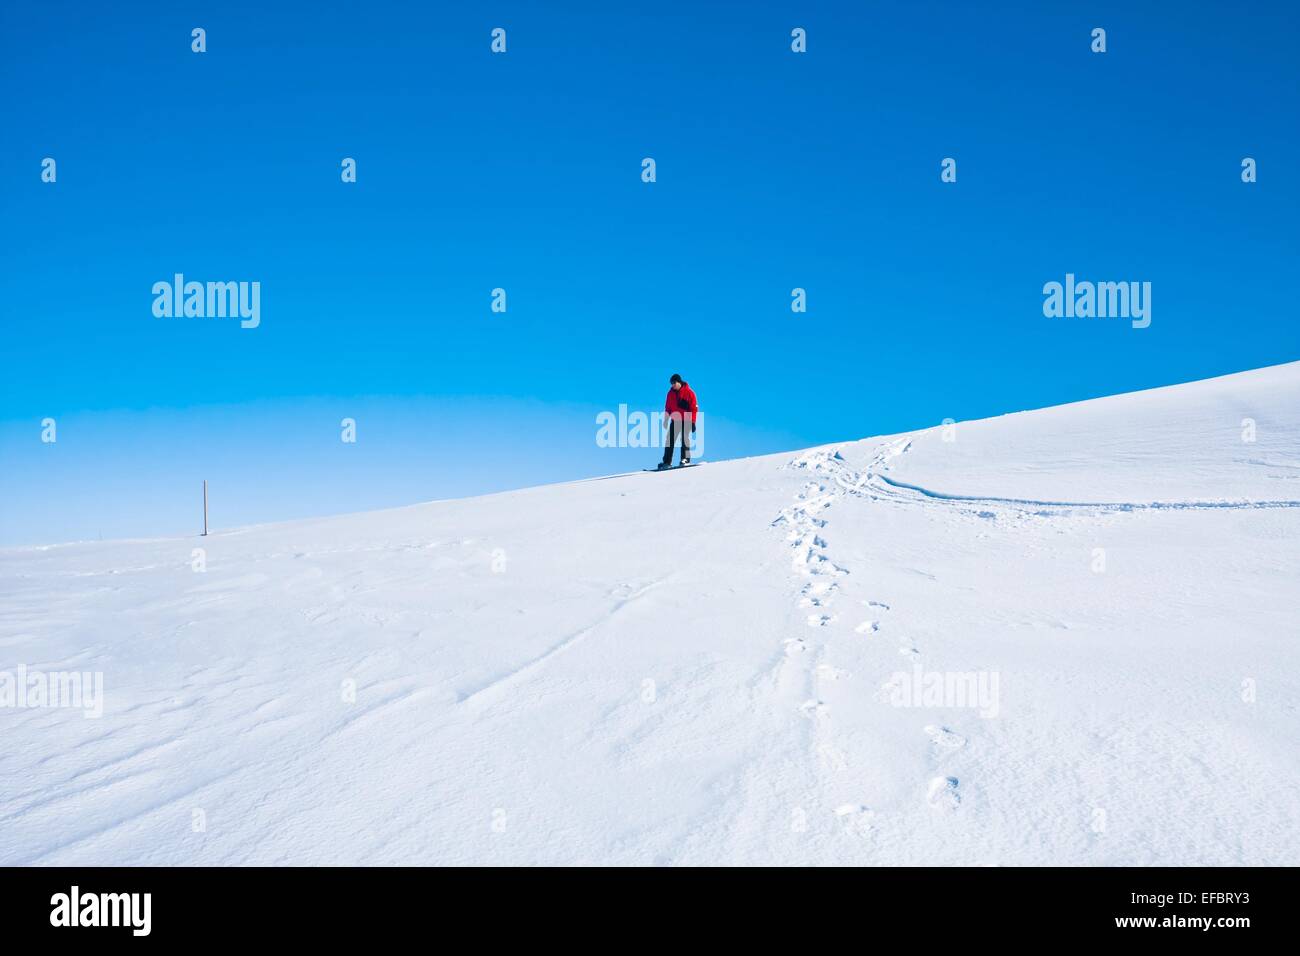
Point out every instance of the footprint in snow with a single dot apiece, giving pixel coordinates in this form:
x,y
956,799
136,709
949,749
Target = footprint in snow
x,y
889,691
945,738
816,593
832,757
815,709
819,620
826,672
818,565
855,818
867,627
944,794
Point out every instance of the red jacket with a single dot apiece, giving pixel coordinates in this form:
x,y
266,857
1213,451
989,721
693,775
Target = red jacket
x,y
681,401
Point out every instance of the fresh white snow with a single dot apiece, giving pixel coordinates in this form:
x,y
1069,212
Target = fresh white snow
x,y
726,665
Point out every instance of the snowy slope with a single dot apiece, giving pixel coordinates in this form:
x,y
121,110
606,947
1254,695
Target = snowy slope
x,y
707,666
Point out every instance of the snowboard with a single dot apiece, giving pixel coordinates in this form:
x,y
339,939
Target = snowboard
x,y
675,467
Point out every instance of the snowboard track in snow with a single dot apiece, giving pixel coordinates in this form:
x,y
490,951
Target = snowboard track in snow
x,y
1101,506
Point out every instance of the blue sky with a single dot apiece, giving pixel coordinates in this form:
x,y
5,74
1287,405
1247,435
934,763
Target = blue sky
x,y
522,171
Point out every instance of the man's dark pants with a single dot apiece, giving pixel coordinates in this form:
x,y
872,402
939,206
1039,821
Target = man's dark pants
x,y
677,427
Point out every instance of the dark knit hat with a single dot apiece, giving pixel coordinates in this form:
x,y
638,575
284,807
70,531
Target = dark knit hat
x,y
675,379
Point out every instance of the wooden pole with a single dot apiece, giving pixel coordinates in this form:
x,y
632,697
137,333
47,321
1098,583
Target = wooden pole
x,y
205,507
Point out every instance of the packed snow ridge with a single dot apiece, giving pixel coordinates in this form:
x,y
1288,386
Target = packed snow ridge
x,y
1065,636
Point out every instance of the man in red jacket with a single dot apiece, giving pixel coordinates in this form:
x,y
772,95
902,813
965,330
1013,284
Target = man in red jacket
x,y
680,409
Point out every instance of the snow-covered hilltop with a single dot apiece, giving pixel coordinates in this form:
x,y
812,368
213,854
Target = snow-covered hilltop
x,y
1062,636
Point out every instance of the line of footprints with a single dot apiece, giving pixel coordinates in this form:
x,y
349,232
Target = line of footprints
x,y
833,479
